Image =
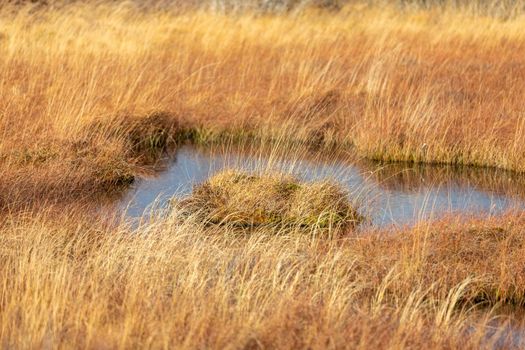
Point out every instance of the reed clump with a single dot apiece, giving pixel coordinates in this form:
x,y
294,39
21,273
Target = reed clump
x,y
249,200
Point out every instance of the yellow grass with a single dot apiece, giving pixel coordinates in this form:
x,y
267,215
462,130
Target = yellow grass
x,y
419,85
92,95
178,284
251,200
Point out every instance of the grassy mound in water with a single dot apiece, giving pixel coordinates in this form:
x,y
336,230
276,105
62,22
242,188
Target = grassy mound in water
x,y
250,200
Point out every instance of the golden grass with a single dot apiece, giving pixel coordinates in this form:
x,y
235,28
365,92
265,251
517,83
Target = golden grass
x,y
180,284
248,200
416,85
93,94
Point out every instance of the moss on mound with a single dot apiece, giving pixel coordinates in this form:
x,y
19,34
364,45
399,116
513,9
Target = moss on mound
x,y
249,200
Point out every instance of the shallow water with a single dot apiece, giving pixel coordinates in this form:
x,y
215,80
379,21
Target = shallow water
x,y
502,328
387,194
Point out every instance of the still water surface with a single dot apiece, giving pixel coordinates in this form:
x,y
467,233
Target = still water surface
x,y
395,194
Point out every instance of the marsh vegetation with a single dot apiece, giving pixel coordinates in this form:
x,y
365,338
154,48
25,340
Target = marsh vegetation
x,y
97,96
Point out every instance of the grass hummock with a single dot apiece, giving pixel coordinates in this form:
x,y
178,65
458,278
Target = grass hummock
x,y
248,200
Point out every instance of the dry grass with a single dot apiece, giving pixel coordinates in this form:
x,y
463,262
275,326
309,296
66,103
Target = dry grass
x,y
417,85
248,200
181,284
94,94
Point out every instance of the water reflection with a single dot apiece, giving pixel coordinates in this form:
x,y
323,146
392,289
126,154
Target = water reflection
x,y
388,194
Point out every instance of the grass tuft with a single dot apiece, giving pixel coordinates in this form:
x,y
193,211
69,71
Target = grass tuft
x,y
248,200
